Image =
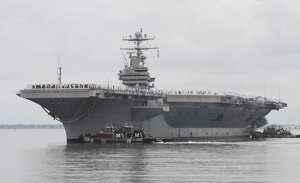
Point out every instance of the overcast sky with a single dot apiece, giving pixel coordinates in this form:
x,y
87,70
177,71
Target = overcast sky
x,y
228,45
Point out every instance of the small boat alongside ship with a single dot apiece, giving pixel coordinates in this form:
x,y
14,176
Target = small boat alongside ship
x,y
124,134
272,131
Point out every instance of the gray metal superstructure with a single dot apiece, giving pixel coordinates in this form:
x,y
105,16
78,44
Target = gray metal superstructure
x,y
135,74
170,115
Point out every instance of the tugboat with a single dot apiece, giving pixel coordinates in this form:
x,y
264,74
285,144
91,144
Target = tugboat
x,y
272,131
107,133
126,133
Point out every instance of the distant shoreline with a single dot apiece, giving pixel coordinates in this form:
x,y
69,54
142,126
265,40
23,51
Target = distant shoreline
x,y
31,126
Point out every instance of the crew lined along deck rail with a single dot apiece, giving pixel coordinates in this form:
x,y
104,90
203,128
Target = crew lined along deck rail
x,y
122,89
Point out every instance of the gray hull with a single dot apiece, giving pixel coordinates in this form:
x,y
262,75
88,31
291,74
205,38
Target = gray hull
x,y
87,111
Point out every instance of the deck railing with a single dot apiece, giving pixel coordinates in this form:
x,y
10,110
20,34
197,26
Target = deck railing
x,y
139,91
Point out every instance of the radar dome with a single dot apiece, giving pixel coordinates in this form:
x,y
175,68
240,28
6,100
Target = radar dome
x,y
138,35
260,101
279,106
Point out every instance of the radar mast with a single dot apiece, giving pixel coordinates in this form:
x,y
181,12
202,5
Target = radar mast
x,y
58,73
135,74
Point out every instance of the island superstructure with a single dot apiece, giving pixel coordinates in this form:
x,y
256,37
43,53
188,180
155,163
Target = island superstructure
x,y
163,114
136,75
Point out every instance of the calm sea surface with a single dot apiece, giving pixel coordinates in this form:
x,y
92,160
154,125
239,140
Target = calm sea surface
x,y
43,156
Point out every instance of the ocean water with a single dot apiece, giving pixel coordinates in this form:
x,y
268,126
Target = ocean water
x,y
40,155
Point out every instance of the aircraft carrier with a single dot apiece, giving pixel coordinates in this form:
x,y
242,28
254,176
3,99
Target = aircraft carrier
x,y
85,109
